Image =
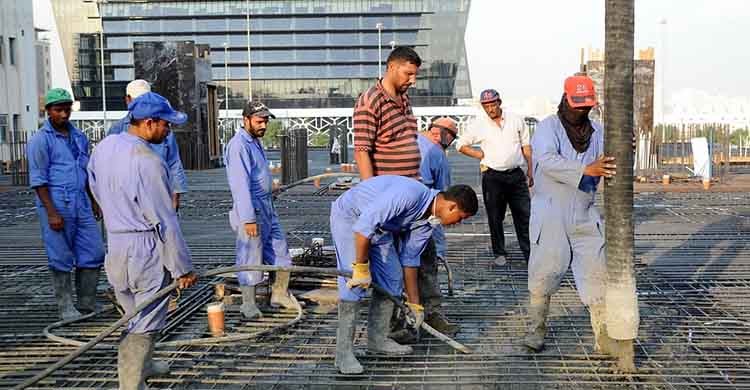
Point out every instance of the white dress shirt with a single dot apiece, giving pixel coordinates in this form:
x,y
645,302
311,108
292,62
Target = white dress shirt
x,y
501,144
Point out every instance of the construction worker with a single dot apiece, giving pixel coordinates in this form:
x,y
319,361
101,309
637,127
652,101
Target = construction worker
x,y
145,244
385,128
260,238
58,154
168,150
504,152
379,229
566,228
435,174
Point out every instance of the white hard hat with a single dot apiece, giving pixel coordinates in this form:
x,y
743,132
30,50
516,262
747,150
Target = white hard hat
x,y
137,88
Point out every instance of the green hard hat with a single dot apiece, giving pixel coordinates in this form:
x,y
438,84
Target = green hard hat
x,y
57,96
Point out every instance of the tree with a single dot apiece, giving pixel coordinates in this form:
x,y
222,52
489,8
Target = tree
x,y
621,299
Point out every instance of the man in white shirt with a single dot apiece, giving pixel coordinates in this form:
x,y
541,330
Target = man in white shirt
x,y
504,149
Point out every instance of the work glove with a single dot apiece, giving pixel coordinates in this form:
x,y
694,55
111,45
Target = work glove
x,y
360,276
415,315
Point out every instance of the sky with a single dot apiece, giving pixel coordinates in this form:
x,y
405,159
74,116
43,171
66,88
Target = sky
x,y
527,48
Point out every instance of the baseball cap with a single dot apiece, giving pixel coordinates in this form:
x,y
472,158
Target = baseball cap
x,y
489,95
154,106
137,88
580,91
57,96
258,109
448,130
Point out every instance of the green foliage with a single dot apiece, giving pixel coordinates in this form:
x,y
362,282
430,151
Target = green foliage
x,y
318,140
271,139
739,134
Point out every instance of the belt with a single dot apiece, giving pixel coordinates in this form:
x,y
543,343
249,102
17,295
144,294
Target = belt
x,y
505,171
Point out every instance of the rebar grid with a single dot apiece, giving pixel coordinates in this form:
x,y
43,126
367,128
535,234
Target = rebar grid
x,y
692,261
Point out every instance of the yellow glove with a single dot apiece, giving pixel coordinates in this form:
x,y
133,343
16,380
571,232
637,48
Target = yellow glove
x,y
360,275
415,317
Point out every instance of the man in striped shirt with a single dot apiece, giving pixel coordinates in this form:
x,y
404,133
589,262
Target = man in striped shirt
x,y
385,129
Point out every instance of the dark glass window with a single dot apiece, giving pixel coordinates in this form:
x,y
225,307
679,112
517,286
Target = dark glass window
x,y
310,23
310,39
118,42
343,22
343,39
277,39
121,58
311,55
344,54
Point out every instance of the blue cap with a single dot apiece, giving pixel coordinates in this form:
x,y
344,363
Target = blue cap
x,y
154,106
489,95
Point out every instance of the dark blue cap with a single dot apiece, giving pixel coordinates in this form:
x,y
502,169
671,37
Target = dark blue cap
x,y
489,95
154,106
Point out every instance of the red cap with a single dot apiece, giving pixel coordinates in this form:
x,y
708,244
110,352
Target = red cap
x,y
580,91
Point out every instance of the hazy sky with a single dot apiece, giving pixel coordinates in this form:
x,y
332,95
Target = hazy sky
x,y
526,48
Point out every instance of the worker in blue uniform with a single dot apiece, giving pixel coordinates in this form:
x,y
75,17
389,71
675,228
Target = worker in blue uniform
x,y
380,228
566,229
146,248
58,154
434,173
253,218
168,150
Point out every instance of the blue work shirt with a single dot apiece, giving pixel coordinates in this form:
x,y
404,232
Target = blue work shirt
x,y
58,162
436,174
132,185
395,204
434,168
168,150
249,177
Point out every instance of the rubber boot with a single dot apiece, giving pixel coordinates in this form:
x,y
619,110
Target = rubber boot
x,y
86,281
437,320
132,358
346,362
378,326
602,342
249,308
154,367
623,351
280,295
64,294
538,309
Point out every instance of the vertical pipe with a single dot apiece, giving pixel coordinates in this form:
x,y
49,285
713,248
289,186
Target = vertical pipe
x,y
379,26
226,81
101,53
249,76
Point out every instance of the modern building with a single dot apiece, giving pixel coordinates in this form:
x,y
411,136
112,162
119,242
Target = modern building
x,y
303,54
43,72
18,85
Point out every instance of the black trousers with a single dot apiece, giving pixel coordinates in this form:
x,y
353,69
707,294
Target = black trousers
x,y
502,189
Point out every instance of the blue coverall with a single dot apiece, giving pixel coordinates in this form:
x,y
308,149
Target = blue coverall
x,y
565,226
251,185
436,174
59,163
389,211
168,151
146,246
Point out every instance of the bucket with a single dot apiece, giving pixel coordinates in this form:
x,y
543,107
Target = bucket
x,y
216,318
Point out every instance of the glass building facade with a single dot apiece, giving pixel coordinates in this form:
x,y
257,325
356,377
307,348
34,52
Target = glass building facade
x,y
303,53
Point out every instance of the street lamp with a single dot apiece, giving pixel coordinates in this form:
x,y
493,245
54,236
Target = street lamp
x,y
226,81
249,76
101,54
379,26
393,45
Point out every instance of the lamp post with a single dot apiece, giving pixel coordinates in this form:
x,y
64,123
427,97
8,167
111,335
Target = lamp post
x,y
101,53
226,81
379,26
249,76
393,45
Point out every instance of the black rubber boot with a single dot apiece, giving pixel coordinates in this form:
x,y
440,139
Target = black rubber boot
x,y
63,285
86,281
346,362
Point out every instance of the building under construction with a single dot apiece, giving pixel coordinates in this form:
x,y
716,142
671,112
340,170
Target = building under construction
x,y
693,272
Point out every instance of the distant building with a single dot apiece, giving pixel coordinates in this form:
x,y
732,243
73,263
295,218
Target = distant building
x,y
43,72
18,86
303,54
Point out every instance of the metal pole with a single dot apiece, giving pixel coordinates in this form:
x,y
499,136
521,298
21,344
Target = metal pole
x,y
379,26
226,81
249,77
101,52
